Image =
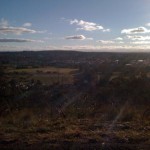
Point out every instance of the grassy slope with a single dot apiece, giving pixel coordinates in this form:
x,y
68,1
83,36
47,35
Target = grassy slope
x,y
79,133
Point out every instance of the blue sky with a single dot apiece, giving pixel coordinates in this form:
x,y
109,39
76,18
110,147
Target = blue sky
x,y
87,25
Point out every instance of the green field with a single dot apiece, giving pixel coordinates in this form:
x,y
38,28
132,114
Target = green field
x,y
44,70
47,75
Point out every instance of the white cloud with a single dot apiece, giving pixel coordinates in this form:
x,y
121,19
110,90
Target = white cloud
x,y
135,30
119,39
141,42
89,38
148,24
44,31
75,21
18,30
76,37
3,40
88,26
15,30
106,30
27,24
137,37
106,42
5,28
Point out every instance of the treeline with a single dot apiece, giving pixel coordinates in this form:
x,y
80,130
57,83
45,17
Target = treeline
x,y
64,58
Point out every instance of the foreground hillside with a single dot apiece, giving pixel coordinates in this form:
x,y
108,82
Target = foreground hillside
x,y
74,100
75,134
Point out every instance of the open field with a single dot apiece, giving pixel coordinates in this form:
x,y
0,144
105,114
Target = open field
x,y
43,70
47,75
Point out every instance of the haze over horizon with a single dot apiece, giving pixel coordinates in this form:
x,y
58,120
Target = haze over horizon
x,y
83,25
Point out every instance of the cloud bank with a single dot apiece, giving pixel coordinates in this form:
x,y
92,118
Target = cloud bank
x,y
5,28
135,30
137,37
3,40
106,42
76,37
15,30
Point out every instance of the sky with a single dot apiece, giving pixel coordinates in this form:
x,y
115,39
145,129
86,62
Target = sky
x,y
82,25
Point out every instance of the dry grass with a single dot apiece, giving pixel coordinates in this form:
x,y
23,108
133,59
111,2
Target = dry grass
x,y
44,70
31,127
47,75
